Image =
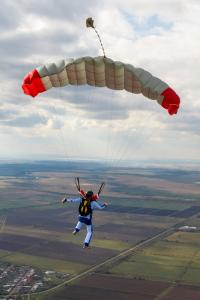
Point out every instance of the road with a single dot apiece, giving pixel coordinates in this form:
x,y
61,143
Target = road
x,y
108,261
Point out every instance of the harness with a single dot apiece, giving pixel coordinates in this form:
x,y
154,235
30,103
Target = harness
x,y
85,207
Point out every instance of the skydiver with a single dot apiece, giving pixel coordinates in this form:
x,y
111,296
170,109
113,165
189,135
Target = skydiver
x,y
87,203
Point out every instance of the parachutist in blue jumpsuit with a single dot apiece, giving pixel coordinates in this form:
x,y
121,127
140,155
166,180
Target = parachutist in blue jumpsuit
x,y
86,218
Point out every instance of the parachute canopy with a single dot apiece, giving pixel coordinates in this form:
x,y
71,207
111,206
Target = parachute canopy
x,y
101,72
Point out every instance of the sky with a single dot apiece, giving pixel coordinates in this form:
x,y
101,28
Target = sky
x,y
162,37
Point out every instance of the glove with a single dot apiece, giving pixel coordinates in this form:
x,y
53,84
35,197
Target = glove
x,y
64,200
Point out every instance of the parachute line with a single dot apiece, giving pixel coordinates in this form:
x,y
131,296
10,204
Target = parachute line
x,y
102,47
77,183
90,23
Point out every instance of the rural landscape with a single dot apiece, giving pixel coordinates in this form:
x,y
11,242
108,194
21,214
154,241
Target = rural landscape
x,y
146,243
99,155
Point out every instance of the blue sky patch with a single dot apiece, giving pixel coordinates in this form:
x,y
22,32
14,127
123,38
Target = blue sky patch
x,y
148,25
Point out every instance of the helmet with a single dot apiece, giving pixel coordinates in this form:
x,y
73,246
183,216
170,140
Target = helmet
x,y
89,194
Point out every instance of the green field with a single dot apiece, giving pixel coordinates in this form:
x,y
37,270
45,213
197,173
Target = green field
x,y
65,237
150,203
43,263
176,258
33,221
4,253
192,238
5,204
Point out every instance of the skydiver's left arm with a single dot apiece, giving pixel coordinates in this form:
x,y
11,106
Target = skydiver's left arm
x,y
96,205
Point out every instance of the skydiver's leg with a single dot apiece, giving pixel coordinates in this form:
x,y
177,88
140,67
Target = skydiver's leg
x,y
88,236
78,227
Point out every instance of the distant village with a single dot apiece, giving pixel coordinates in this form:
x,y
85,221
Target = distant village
x,y
16,280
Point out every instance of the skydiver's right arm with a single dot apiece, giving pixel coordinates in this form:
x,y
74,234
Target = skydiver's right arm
x,y
71,200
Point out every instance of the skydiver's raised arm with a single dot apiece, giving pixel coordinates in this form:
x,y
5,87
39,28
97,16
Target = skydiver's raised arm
x,y
71,200
74,199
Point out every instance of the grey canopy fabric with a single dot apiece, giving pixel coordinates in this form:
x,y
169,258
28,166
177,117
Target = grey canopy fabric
x,y
102,72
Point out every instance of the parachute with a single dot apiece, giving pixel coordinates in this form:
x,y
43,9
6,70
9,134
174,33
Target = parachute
x,y
101,72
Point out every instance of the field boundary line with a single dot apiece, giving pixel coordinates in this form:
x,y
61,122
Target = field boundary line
x,y
165,292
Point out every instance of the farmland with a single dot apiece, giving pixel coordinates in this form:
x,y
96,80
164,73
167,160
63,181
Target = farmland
x,y
36,228
169,260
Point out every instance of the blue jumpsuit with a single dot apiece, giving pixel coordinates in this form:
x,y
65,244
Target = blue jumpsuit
x,y
87,220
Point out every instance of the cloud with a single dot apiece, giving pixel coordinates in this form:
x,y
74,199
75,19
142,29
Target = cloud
x,y
159,36
24,121
8,19
5,114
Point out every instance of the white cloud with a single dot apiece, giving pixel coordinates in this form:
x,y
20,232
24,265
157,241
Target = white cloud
x,y
160,36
